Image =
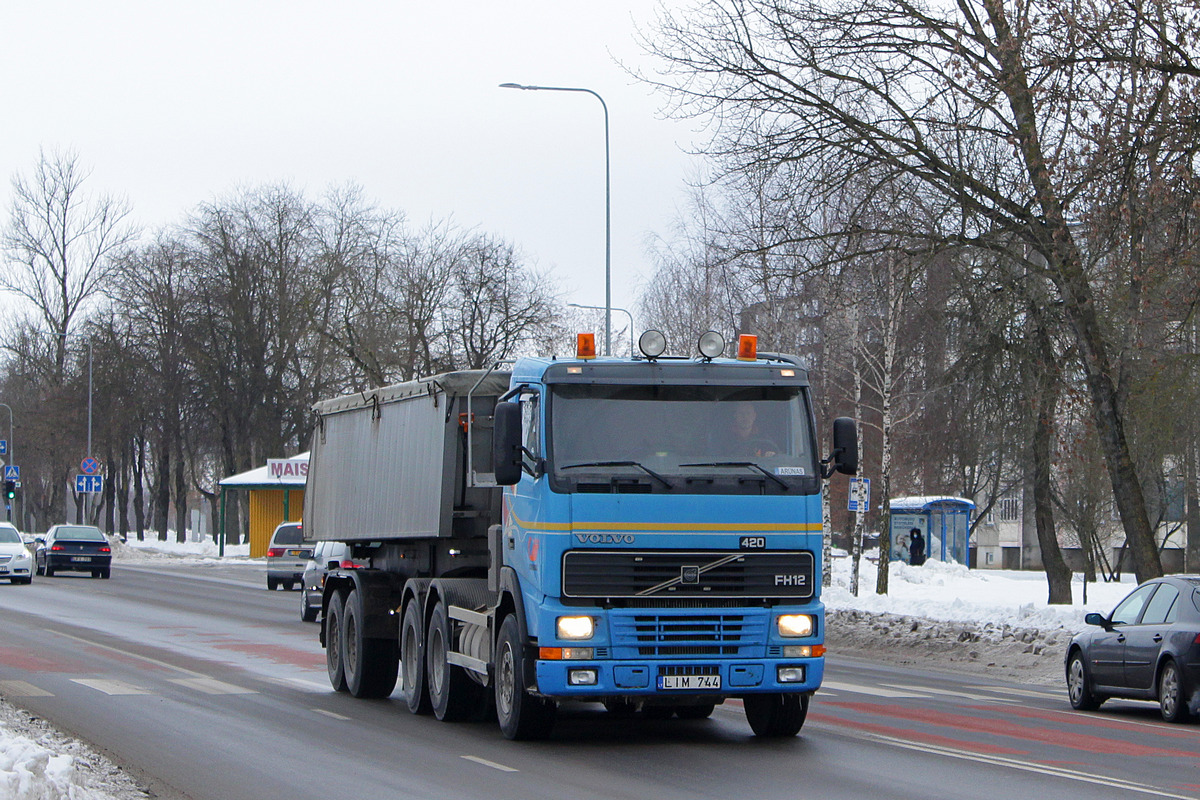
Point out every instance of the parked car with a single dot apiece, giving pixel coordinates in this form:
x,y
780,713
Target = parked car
x,y
287,556
16,559
78,548
326,556
1148,648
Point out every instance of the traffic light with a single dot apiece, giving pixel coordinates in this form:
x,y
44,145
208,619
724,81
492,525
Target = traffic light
x,y
10,490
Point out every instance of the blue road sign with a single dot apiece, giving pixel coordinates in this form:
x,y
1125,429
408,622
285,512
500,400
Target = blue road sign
x,y
89,466
85,484
12,472
3,447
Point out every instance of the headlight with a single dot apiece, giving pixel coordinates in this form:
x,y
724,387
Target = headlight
x,y
793,625
576,627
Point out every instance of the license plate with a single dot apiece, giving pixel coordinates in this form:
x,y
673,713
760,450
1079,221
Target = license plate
x,y
298,553
81,558
689,682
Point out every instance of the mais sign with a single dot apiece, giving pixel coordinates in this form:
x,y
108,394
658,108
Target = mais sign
x,y
287,468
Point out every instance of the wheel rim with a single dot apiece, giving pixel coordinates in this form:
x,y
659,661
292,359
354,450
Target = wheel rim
x,y
505,681
333,645
437,655
410,656
351,648
1075,680
1169,691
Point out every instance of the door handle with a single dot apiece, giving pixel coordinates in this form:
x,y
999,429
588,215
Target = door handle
x,y
1157,638
1121,638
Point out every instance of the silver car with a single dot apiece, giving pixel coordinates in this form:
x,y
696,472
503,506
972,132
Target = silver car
x,y
16,560
326,556
287,556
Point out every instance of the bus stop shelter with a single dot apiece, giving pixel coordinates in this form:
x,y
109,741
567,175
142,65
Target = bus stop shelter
x,y
276,495
945,522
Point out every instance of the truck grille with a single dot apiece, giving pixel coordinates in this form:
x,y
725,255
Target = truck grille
x,y
661,575
677,635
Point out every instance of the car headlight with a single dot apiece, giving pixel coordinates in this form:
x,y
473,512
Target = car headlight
x,y
794,625
574,628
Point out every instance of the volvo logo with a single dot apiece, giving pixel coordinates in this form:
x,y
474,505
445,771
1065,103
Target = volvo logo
x,y
689,575
604,538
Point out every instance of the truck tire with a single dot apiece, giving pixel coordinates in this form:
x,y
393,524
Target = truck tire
x,y
412,661
452,693
370,664
333,642
521,715
776,715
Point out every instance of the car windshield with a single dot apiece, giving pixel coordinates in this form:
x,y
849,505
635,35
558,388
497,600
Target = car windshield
x,y
668,438
9,536
78,533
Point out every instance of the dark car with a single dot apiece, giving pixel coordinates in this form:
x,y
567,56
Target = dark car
x,y
1148,648
326,556
76,548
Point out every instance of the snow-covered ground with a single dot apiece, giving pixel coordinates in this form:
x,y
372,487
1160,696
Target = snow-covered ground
x,y
966,616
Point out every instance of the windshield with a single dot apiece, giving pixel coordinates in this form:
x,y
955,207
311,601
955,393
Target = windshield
x,y
9,535
654,438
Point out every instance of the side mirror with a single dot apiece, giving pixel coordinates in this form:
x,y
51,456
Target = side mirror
x,y
1096,619
844,457
506,443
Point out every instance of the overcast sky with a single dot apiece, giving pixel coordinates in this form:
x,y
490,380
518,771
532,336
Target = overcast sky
x,y
174,104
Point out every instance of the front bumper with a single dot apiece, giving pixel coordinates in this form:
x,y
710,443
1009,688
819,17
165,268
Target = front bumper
x,y
17,568
641,677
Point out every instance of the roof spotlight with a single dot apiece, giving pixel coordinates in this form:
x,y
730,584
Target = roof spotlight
x,y
711,344
652,344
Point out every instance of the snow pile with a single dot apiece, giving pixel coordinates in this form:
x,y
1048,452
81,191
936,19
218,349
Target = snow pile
x,y
37,763
203,553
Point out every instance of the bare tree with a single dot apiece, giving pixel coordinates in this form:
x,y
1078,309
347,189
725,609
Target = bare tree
x,y
989,106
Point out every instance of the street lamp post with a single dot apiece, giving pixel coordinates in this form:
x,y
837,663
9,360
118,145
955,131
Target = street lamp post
x,y
622,310
607,203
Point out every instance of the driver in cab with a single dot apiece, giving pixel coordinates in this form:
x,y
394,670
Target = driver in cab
x,y
746,440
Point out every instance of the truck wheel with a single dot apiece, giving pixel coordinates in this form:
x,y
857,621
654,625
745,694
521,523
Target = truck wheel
x,y
412,661
452,693
370,664
776,715
520,714
333,642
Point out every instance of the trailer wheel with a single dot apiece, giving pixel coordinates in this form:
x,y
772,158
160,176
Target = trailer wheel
x,y
452,693
776,715
370,664
412,661
333,642
520,714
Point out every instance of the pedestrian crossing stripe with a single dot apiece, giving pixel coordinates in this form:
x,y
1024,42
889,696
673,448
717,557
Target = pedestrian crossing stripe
x,y
21,689
211,686
110,687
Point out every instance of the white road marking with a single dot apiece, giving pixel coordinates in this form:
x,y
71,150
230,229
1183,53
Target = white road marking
x,y
110,687
1049,694
303,684
1043,769
874,691
963,695
331,714
127,654
22,689
487,763
210,686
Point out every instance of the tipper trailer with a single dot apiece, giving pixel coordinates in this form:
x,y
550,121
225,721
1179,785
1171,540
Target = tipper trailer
x,y
645,533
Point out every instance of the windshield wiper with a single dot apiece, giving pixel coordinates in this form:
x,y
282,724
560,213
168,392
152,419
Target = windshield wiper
x,y
749,464
637,464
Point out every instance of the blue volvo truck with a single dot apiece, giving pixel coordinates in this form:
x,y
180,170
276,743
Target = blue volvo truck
x,y
643,533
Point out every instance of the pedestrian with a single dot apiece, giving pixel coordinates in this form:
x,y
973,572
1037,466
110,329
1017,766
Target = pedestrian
x,y
916,547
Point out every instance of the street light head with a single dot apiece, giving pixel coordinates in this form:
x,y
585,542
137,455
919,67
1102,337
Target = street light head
x,y
512,86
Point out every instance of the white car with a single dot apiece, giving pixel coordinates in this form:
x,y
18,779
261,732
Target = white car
x,y
16,562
